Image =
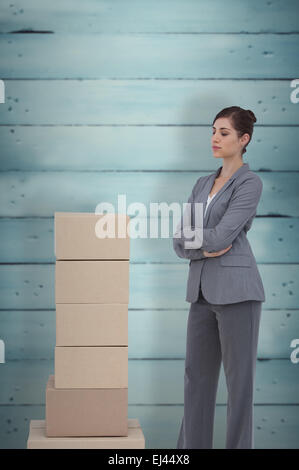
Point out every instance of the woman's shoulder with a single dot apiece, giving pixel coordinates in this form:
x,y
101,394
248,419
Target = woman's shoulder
x,y
251,177
200,182
249,184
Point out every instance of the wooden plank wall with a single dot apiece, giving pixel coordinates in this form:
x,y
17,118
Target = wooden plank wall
x,y
117,97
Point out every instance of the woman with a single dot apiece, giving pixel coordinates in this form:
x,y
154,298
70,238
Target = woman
x,y
225,290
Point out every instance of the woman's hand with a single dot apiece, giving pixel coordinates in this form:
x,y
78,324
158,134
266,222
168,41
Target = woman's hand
x,y
216,253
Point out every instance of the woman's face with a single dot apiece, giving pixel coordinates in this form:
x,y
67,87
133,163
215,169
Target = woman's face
x,y
225,141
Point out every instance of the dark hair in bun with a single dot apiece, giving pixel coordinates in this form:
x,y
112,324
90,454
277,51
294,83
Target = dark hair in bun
x,y
242,120
251,114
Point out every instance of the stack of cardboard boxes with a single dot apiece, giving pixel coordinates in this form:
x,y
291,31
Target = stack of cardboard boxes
x,y
87,397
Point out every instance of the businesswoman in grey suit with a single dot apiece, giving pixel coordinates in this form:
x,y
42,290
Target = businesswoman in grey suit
x,y
225,290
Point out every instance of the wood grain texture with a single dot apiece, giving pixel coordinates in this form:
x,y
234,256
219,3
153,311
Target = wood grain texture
x,y
143,102
151,382
27,194
31,240
153,334
135,55
138,148
275,427
152,285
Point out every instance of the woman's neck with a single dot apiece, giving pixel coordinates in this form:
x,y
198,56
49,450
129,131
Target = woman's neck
x,y
229,168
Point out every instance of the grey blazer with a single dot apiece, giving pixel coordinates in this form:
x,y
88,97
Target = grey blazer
x,y
233,276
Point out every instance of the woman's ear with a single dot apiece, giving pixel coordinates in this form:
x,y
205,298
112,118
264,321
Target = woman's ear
x,y
245,139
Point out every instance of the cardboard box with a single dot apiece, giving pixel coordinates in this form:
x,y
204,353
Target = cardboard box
x,y
91,367
92,282
76,236
37,439
86,412
91,324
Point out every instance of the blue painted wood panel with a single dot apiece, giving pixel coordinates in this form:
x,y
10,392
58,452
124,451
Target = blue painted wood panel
x,y
275,427
152,286
138,148
151,382
143,101
135,55
43,193
153,334
31,240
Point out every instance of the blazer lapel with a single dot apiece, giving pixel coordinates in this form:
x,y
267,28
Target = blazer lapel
x,y
210,184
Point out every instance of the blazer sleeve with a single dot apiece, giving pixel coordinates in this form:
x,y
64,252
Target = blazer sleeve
x,y
241,208
178,242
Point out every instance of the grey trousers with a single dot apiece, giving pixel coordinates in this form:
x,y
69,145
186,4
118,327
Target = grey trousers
x,y
214,333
